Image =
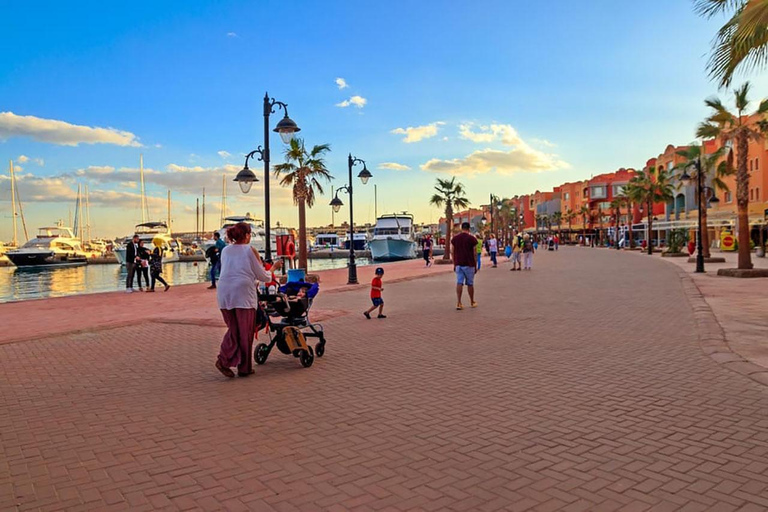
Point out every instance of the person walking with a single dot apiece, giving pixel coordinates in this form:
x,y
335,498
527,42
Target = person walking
x,y
493,249
517,250
143,265
478,250
131,250
528,250
464,260
376,288
238,300
215,257
426,250
156,268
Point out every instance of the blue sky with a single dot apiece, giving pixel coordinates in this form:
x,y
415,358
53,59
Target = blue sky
x,y
510,96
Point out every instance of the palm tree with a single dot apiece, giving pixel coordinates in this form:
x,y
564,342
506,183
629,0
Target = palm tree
x,y
557,218
303,171
739,128
742,41
616,204
710,167
584,212
649,187
569,216
451,195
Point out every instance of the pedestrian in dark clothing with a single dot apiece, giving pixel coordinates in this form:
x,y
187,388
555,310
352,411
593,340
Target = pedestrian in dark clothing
x,y
156,268
143,264
131,250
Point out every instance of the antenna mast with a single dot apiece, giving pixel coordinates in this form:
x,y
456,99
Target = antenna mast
x,y
88,212
169,211
203,212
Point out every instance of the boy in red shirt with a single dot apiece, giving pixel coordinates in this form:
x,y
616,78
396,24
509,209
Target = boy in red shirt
x,y
376,288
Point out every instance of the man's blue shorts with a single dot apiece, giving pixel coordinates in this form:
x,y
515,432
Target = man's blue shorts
x,y
377,301
465,275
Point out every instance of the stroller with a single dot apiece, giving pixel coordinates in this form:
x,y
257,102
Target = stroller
x,y
288,318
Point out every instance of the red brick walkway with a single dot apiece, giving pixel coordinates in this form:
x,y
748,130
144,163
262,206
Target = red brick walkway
x,y
577,386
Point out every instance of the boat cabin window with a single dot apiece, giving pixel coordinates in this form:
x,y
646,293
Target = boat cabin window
x,y
65,247
385,231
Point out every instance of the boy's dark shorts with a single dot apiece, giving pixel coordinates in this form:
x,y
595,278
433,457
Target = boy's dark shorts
x,y
377,301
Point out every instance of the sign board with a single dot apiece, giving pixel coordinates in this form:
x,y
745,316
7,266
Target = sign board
x,y
727,241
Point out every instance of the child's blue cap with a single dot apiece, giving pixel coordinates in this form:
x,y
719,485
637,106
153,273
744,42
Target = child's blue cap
x,y
380,271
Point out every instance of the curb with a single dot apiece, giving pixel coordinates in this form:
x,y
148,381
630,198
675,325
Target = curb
x,y
712,340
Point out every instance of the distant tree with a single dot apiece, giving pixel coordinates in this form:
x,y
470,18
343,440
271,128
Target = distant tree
x,y
649,187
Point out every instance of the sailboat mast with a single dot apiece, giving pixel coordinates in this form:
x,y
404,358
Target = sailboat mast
x,y
375,201
13,208
143,196
203,212
223,199
169,211
88,212
79,213
197,218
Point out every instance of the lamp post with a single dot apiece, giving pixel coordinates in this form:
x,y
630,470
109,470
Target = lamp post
x,y
287,129
701,200
336,203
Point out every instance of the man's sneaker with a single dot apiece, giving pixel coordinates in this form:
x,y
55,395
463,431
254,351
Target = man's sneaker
x,y
459,306
382,316
367,315
474,304
129,290
212,287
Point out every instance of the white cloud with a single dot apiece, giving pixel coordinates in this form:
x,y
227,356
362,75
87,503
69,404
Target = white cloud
x,y
543,142
231,34
357,101
393,166
501,132
341,83
520,159
224,154
418,133
22,159
61,132
158,145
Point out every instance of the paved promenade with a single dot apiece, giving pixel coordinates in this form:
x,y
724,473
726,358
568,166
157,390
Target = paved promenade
x,y
581,385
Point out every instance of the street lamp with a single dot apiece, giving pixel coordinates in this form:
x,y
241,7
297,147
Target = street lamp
x,y
701,189
287,129
336,204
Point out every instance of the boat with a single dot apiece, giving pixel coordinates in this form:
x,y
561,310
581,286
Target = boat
x,y
153,234
258,236
326,241
361,242
54,246
393,238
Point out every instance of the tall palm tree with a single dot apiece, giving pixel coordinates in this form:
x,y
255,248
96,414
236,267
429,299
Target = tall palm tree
x,y
450,194
649,187
742,42
739,128
303,171
711,165
617,203
569,216
557,218
585,213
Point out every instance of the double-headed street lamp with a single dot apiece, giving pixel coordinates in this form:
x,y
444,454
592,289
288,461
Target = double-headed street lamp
x,y
702,203
287,129
336,203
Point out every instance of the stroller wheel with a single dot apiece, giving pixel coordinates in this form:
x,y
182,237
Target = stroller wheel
x,y
307,357
261,353
320,348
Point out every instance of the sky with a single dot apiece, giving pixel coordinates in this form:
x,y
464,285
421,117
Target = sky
x,y
509,96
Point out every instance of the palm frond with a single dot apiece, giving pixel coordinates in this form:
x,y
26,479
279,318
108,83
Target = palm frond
x,y
710,8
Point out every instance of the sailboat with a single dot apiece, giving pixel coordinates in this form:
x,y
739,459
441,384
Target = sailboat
x,y
157,233
15,202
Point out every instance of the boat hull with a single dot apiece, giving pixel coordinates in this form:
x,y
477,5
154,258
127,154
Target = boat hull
x,y
392,249
28,259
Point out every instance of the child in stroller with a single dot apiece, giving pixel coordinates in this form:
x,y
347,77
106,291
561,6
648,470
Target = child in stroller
x,y
288,318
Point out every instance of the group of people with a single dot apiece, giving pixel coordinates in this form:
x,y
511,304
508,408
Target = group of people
x,y
140,263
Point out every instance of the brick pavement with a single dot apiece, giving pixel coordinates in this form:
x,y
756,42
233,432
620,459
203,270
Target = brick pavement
x,y
565,390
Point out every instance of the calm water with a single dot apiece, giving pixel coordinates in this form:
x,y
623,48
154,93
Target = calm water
x,y
25,284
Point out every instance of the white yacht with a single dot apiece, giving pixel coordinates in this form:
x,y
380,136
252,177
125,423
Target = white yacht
x,y
152,234
258,236
54,246
393,238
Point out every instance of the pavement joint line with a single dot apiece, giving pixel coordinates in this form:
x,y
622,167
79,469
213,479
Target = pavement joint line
x,y
712,340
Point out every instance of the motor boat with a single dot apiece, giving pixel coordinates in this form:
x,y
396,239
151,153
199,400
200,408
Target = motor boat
x,y
326,241
258,236
54,246
361,242
393,238
153,234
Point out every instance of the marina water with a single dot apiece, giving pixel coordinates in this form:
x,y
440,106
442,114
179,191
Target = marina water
x,y
37,283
